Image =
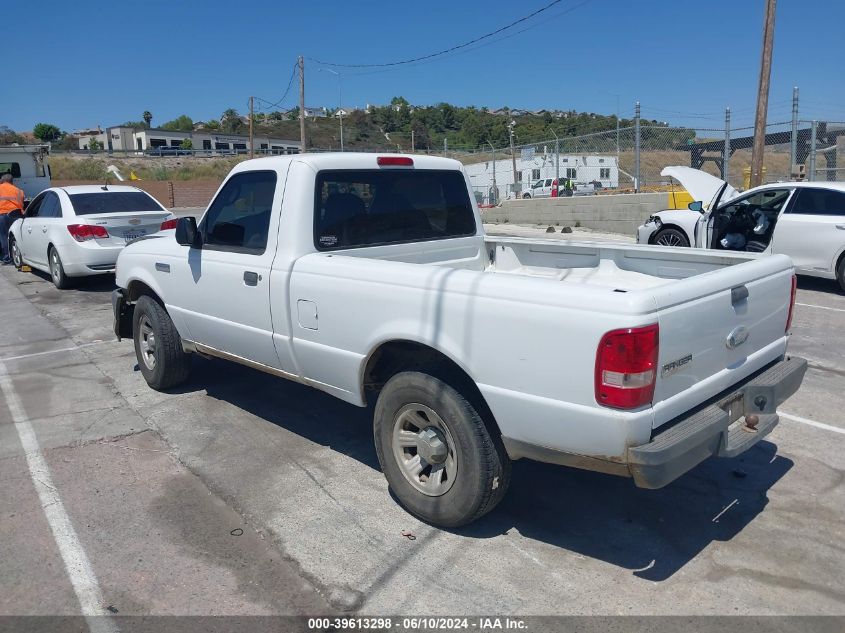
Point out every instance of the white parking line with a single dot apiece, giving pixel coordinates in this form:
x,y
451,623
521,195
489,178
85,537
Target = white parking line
x,y
810,305
76,562
818,425
52,351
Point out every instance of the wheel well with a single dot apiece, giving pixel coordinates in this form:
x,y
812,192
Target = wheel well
x,y
669,226
138,289
839,261
394,357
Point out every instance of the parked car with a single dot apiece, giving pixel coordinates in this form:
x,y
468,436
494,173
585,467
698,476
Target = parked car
x,y
548,188
805,220
79,231
370,278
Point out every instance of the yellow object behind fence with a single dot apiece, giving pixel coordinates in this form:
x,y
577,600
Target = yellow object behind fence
x,y
679,199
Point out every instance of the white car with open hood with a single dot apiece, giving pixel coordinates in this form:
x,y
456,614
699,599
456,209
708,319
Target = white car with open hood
x,y
804,220
370,278
80,230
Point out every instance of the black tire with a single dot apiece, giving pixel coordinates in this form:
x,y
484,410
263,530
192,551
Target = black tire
x,y
162,360
17,258
671,237
57,270
482,468
526,196
840,273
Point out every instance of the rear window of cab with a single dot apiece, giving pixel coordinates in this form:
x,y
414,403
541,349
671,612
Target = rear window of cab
x,y
358,208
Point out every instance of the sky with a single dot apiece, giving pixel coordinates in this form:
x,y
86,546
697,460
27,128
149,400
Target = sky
x,y
87,63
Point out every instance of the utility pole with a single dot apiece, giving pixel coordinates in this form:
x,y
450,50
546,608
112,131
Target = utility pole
x,y
494,199
412,140
763,95
513,160
793,141
814,130
726,157
636,148
557,163
302,103
251,135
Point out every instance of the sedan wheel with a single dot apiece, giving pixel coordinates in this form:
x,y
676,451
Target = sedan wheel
x,y
671,237
17,258
57,271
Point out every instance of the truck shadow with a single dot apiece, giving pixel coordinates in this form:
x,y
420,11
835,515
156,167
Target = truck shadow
x,y
653,533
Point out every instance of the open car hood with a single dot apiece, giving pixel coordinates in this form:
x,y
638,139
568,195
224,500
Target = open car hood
x,y
700,185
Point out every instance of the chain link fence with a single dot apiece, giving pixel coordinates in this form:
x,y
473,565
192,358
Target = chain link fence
x,y
630,159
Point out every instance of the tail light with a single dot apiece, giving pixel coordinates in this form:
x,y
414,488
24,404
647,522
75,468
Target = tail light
x,y
395,161
85,232
168,224
794,292
626,367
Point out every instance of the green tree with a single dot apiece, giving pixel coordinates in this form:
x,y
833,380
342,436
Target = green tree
x,y
182,123
46,132
94,145
230,121
148,117
138,125
186,144
212,124
293,114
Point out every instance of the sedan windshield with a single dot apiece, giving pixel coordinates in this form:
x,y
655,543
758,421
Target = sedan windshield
x,y
113,202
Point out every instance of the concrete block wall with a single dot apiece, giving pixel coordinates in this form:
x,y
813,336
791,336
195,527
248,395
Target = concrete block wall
x,y
616,213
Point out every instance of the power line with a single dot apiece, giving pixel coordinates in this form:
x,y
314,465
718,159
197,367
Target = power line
x,y
284,96
446,50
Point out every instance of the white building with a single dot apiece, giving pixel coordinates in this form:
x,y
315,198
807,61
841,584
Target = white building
x,y
123,139
580,169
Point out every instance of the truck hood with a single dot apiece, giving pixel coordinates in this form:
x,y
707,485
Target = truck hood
x,y
700,185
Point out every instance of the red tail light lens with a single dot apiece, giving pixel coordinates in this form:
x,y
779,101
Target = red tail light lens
x,y
395,161
85,232
168,224
792,303
626,367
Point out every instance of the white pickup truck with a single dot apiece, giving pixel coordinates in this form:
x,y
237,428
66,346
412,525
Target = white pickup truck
x,y
370,278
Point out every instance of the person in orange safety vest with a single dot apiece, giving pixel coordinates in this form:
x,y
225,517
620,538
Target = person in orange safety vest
x,y
11,208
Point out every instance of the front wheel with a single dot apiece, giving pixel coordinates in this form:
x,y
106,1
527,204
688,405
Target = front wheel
x,y
440,458
17,258
671,237
840,273
526,196
158,346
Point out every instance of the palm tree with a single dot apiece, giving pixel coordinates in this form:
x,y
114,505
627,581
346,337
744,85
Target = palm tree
x,y
147,116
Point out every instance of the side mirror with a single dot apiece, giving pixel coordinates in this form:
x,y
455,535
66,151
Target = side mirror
x,y
697,206
187,233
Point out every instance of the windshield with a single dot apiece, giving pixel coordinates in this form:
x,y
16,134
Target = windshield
x,y
113,202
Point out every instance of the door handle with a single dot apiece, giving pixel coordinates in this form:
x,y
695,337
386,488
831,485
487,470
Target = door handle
x,y
841,227
29,229
43,229
251,278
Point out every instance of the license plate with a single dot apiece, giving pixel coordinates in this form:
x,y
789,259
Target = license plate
x,y
133,235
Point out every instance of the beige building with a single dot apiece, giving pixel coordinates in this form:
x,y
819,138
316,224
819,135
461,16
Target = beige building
x,y
127,139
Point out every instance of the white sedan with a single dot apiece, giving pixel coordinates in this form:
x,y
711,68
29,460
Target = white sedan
x,y
80,230
805,220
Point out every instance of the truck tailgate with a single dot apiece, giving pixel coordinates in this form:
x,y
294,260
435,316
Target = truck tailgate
x,y
711,340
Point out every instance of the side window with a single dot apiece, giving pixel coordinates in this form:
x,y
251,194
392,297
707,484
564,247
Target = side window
x,y
769,201
812,201
50,207
548,182
34,208
239,217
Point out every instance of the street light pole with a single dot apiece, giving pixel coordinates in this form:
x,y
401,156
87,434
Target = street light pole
x,y
557,162
339,101
513,159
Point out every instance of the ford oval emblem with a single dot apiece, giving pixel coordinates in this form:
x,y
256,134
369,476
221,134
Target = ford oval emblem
x,y
737,337
134,221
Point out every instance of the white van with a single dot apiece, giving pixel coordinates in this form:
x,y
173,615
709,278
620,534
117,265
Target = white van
x,y
28,165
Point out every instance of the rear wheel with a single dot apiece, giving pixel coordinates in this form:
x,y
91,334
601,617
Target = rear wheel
x,y
840,273
57,271
441,460
526,196
158,346
17,258
671,237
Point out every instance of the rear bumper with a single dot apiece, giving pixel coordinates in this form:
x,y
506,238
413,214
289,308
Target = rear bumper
x,y
717,428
